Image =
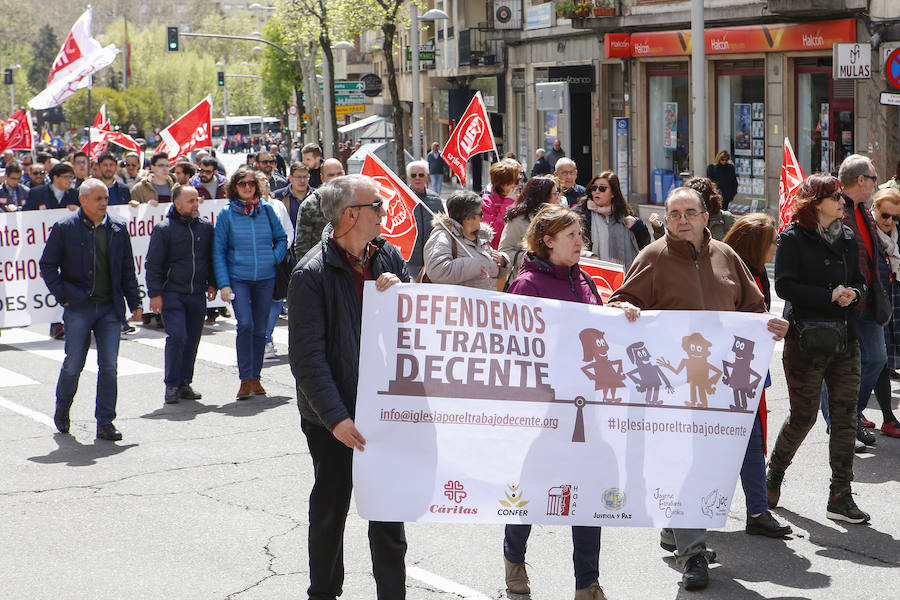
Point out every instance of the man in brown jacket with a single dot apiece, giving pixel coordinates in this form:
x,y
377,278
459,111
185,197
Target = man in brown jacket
x,y
688,270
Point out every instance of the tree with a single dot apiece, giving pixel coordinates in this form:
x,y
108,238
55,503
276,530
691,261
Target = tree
x,y
281,76
44,51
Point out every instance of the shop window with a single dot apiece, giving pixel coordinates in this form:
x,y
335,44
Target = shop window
x,y
669,127
740,129
812,121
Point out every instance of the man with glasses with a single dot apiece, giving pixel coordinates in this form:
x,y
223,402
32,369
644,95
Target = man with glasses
x,y
292,195
310,218
118,191
266,161
132,171
56,194
416,175
27,163
688,270
209,183
325,354
566,172
12,193
81,163
157,187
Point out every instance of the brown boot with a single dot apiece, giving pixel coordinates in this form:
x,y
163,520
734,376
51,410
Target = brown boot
x,y
591,592
246,389
516,578
257,387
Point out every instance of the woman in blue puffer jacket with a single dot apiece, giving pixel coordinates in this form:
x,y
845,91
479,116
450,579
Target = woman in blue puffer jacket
x,y
249,242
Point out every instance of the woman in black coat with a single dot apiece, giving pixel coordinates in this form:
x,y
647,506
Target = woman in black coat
x,y
722,173
817,271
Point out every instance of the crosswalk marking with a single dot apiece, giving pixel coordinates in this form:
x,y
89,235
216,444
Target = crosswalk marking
x,y
27,412
206,351
12,379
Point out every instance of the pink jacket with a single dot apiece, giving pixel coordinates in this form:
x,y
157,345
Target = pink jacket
x,y
493,208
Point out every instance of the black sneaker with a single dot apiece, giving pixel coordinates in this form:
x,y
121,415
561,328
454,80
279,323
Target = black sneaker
x,y
696,573
842,508
865,436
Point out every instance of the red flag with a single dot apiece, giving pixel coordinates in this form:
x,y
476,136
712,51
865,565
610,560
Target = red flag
x,y
127,52
399,227
189,132
17,133
606,275
471,136
101,138
101,121
791,178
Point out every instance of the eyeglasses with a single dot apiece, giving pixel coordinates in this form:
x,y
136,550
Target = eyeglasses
x,y
872,177
270,161
567,172
207,171
895,218
597,188
688,214
247,183
38,172
376,204
417,174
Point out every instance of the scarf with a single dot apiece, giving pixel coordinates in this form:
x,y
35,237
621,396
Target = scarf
x,y
612,240
246,208
830,233
889,243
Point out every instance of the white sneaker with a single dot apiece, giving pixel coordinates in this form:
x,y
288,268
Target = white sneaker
x,y
270,353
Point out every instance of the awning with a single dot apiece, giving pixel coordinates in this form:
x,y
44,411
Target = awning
x,y
360,124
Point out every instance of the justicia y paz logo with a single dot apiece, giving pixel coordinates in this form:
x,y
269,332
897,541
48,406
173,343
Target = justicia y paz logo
x,y
514,502
455,491
561,500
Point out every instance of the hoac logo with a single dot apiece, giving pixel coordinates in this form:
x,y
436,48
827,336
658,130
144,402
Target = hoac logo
x,y
560,500
398,220
455,491
514,503
473,128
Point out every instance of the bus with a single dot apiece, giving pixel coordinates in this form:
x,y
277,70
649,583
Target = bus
x,y
247,125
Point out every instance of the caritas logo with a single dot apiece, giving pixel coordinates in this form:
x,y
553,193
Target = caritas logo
x,y
454,491
398,220
473,129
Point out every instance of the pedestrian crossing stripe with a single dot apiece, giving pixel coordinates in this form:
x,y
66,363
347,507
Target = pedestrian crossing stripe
x,y
206,351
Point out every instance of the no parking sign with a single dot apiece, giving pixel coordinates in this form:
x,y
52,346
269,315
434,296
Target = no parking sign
x,y
892,68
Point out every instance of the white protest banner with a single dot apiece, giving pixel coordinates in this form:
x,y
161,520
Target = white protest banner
x,y
24,299
484,407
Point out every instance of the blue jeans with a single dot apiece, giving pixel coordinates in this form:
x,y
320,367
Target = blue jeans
x,y
585,554
252,302
183,316
80,321
274,313
753,471
436,182
872,358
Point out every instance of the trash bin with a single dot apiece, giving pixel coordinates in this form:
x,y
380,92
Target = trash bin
x,y
662,181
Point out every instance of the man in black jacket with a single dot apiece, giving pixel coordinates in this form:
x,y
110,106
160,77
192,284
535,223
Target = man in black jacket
x,y
56,194
179,282
324,355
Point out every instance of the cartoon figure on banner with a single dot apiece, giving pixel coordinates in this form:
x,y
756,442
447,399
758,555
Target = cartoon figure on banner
x,y
738,375
606,374
648,377
700,374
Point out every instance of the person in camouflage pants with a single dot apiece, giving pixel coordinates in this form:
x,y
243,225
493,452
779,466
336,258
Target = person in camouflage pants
x,y
310,220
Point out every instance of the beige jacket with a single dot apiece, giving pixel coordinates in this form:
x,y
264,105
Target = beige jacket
x,y
143,191
442,267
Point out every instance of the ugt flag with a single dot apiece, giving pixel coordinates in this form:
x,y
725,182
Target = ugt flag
x,y
791,178
472,135
399,227
17,133
79,57
188,132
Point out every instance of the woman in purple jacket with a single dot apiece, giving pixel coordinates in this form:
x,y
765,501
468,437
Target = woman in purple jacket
x,y
550,270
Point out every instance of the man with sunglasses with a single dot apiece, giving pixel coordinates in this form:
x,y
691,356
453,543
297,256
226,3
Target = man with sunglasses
x,y
688,270
416,176
209,183
328,285
566,172
131,173
266,162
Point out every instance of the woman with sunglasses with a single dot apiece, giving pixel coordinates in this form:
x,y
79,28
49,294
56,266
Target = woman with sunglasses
x,y
459,248
611,229
249,241
536,193
817,271
886,211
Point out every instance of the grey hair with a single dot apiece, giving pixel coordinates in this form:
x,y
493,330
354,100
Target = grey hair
x,y
416,163
89,185
852,167
340,193
540,152
565,161
686,191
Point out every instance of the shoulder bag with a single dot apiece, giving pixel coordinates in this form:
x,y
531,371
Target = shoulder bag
x,y
282,269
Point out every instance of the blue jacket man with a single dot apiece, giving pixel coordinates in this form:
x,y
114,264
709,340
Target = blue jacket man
x,y
88,265
56,194
179,282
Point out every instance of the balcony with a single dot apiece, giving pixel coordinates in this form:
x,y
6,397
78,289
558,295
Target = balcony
x,y
475,49
815,8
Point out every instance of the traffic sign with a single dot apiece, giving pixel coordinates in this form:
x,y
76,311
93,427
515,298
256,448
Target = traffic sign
x,y
292,110
346,86
345,99
349,109
890,99
892,68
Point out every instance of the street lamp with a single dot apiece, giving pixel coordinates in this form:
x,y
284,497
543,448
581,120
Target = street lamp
x,y
432,15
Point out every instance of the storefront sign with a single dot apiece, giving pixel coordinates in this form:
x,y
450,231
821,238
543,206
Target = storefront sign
x,y
620,129
617,45
892,68
372,83
670,122
579,77
484,407
539,16
776,37
852,61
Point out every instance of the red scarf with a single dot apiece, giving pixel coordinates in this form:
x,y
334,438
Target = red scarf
x,y
247,207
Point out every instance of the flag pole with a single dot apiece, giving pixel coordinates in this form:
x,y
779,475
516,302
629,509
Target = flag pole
x,y
90,150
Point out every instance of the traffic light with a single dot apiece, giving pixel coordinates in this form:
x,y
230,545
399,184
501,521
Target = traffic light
x,y
221,75
7,77
172,39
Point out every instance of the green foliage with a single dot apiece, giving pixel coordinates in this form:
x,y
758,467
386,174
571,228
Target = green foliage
x,y
44,50
280,73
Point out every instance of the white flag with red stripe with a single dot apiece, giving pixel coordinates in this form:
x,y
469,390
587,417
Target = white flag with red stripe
x,y
399,226
188,132
79,57
472,135
791,178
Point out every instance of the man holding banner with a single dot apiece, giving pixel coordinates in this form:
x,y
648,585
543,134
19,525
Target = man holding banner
x,y
88,265
324,354
688,270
